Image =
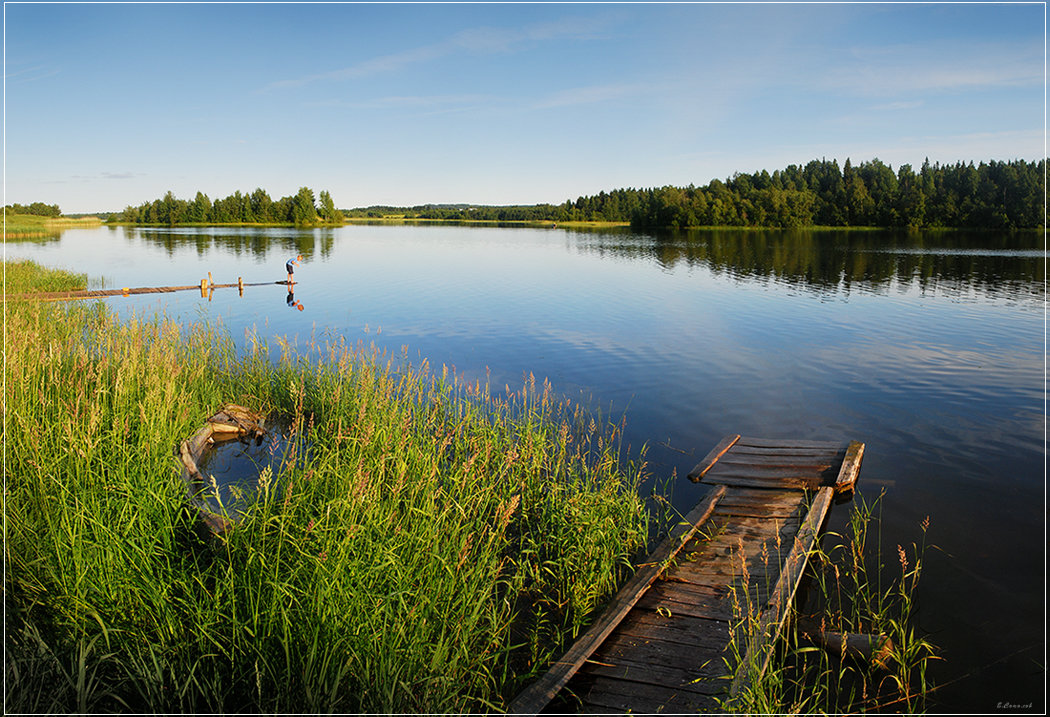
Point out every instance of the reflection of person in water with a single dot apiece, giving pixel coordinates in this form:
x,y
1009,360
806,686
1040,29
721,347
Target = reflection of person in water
x,y
293,303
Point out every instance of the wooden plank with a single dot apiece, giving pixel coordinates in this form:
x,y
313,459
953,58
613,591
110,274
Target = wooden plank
x,y
684,630
786,452
537,695
753,482
711,458
772,474
850,467
636,654
605,695
621,644
788,443
755,496
816,461
760,470
685,599
699,678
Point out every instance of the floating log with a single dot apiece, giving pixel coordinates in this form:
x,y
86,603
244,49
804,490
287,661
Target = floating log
x,y
860,647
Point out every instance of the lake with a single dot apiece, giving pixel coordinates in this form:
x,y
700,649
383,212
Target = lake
x,y
928,347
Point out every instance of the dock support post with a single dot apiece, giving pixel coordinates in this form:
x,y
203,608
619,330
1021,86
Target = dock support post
x,y
240,286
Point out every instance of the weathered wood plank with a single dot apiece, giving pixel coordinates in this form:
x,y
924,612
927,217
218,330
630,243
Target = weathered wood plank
x,y
757,496
685,599
788,443
847,476
709,460
753,482
686,630
603,694
636,654
766,471
786,452
701,678
533,698
818,461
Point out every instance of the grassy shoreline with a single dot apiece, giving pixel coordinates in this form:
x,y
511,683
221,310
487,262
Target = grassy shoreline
x,y
20,226
436,548
430,546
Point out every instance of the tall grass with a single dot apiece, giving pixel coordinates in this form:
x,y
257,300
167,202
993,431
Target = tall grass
x,y
434,549
849,590
24,275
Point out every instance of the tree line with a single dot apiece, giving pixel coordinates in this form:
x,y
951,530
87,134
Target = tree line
x,y
996,195
36,208
871,194
254,208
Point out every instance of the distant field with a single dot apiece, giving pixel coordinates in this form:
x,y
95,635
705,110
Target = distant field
x,y
28,225
401,219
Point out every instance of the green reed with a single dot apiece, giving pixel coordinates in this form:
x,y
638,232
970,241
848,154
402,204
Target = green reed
x,y
26,275
427,545
848,590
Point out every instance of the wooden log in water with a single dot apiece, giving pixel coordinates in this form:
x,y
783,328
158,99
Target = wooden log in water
x,y
860,647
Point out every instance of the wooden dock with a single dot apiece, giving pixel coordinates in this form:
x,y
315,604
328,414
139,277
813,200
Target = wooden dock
x,y
662,643
206,287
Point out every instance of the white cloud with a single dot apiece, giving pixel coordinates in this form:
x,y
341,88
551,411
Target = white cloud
x,y
482,40
590,95
897,106
937,68
30,74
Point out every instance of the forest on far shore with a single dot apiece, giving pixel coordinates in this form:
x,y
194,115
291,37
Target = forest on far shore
x,y
993,195
990,195
255,208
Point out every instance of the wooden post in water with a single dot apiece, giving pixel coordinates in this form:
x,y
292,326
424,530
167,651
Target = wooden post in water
x,y
204,288
240,286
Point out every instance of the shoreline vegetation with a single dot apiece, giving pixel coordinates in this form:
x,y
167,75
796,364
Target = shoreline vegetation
x,y
24,226
993,195
428,546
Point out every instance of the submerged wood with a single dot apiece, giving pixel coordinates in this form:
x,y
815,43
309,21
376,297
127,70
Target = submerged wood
x,y
231,422
662,645
861,647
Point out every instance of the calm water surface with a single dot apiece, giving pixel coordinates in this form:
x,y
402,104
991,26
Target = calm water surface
x,y
927,347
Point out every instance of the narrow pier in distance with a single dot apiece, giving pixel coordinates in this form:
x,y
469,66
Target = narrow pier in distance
x,y
206,286
661,644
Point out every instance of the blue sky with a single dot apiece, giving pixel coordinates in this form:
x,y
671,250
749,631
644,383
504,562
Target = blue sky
x,y
108,105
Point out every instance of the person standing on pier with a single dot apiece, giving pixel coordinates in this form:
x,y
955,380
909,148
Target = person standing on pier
x,y
290,266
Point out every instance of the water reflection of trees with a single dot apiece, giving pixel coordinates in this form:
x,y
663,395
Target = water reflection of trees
x,y
259,243
1009,265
